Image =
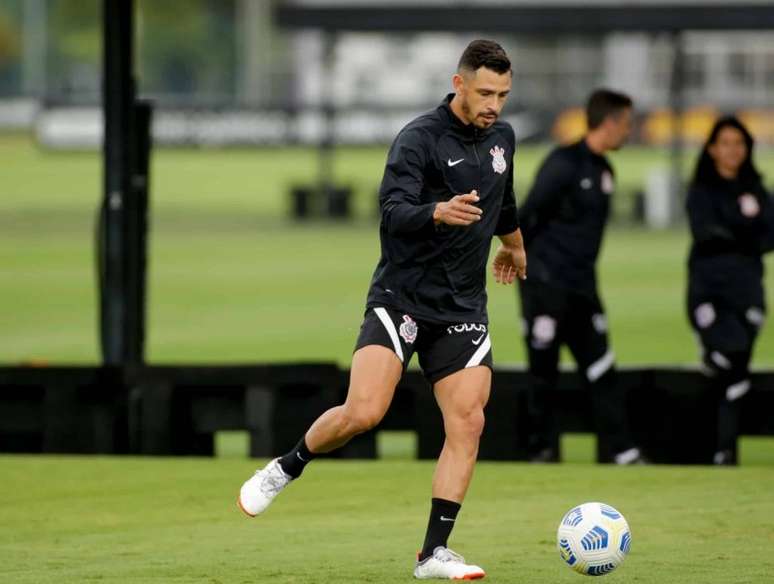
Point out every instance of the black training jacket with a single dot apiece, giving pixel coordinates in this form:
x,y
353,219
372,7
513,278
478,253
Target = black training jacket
x,y
438,273
732,227
564,216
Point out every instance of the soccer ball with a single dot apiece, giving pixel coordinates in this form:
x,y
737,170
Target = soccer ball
x,y
593,539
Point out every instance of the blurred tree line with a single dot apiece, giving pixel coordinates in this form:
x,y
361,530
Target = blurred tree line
x,y
10,46
53,48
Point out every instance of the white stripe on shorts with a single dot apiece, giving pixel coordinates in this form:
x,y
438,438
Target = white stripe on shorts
x,y
480,353
388,324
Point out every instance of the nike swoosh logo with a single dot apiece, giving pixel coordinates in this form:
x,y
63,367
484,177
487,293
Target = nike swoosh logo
x,y
455,163
446,518
301,458
478,340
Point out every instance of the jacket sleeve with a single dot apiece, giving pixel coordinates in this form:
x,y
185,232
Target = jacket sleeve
x,y
554,177
707,228
508,222
400,192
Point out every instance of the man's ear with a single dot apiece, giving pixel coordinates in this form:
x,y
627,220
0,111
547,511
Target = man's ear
x,y
458,82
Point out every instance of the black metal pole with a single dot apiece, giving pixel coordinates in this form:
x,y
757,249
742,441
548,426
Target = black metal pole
x,y
137,233
118,102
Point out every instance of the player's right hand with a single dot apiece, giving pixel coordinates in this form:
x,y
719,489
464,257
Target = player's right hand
x,y
459,210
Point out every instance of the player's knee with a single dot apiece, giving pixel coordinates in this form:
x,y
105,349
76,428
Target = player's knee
x,y
360,419
468,425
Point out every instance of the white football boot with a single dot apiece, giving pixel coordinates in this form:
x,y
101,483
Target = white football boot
x,y
260,489
446,565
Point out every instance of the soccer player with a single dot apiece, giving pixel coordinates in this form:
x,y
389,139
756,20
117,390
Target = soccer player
x,y
563,220
447,190
731,223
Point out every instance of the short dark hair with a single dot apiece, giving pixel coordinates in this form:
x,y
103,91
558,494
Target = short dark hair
x,y
483,53
603,103
706,173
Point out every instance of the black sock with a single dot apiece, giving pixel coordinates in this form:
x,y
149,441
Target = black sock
x,y
293,462
443,513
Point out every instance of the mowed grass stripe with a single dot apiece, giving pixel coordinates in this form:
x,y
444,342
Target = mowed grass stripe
x,y
298,293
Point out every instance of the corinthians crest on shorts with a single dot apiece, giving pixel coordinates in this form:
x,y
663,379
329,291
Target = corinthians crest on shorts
x,y
498,159
408,330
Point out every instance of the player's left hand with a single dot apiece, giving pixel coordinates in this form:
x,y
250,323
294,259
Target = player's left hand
x,y
509,263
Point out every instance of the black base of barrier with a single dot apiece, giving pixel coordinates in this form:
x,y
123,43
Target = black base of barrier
x,y
308,201
177,410
63,409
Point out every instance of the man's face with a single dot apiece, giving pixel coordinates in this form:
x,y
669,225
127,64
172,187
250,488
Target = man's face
x,y
482,94
619,127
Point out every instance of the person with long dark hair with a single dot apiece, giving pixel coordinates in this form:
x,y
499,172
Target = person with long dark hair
x,y
730,214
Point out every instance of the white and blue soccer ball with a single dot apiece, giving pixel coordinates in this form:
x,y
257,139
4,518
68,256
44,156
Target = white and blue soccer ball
x,y
593,539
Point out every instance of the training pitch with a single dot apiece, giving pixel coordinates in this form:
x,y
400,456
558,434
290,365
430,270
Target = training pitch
x,y
114,520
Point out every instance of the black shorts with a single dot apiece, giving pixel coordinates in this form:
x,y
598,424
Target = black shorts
x,y
443,349
554,316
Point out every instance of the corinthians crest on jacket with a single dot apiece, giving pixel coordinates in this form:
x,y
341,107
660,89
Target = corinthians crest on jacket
x,y
498,159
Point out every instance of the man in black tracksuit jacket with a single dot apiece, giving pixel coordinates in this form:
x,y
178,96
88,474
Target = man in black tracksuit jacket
x,y
447,189
563,220
431,277
437,272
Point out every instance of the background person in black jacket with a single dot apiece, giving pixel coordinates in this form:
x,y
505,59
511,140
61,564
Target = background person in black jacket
x,y
447,189
563,220
731,223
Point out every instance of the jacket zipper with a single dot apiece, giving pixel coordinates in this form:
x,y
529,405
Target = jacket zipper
x,y
478,159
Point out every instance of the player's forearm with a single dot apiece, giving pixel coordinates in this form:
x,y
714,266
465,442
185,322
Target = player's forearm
x,y
405,217
512,240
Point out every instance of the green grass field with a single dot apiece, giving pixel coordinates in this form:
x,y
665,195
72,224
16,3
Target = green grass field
x,y
71,519
232,280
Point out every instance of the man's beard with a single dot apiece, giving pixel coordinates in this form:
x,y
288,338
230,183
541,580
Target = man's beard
x,y
477,120
465,108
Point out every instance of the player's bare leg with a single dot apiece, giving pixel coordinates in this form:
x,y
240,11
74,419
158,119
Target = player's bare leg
x,y
461,397
375,373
